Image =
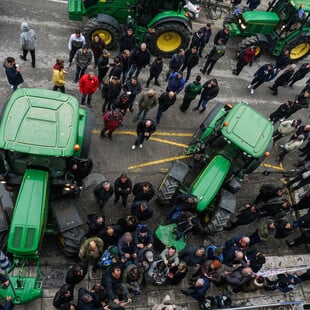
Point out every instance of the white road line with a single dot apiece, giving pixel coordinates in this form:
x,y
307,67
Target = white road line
x,y
60,1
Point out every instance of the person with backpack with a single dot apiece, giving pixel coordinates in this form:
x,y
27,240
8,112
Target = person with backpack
x,y
112,120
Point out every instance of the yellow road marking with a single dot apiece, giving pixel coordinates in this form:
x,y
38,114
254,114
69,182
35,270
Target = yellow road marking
x,y
280,167
156,162
169,142
157,133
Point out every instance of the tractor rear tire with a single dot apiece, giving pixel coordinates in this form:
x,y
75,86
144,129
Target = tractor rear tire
x,y
108,33
219,219
253,40
169,38
87,133
72,239
299,48
167,189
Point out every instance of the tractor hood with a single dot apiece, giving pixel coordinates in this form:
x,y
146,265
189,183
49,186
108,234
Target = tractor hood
x,y
41,122
252,22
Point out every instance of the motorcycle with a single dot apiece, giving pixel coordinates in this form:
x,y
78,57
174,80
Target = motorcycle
x,y
193,8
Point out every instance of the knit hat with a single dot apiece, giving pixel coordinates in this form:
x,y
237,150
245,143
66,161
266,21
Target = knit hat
x,y
113,250
216,263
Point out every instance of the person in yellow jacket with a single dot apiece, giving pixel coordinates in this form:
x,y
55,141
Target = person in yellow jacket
x,y
59,75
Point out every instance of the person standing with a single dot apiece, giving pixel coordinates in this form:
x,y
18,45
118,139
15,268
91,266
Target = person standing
x,y
112,120
97,46
264,74
76,41
122,188
286,128
197,40
155,70
283,79
103,65
83,59
59,75
245,57
222,34
210,90
145,129
213,56
207,32
147,101
103,192
175,63
299,74
191,92
290,146
116,69
111,89
128,41
165,101
12,71
28,40
124,57
89,83
190,61
143,191
132,88
176,82
140,58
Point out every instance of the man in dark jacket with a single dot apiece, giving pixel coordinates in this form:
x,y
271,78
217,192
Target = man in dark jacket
x,y
193,255
145,129
143,191
213,56
176,82
165,101
255,259
283,111
299,74
103,191
140,58
122,188
76,273
198,290
12,72
301,102
132,88
155,70
143,237
283,79
128,41
110,235
103,65
207,32
118,293
197,39
210,90
142,210
222,34
127,247
110,91
190,61
124,58
176,62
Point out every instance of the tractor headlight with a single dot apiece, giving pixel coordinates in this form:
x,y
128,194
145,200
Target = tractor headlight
x,y
3,179
67,187
242,26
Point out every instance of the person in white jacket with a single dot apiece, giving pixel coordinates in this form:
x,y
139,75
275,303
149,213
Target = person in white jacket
x,y
290,146
286,128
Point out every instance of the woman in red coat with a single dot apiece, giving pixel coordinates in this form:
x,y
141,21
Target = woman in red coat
x,y
88,85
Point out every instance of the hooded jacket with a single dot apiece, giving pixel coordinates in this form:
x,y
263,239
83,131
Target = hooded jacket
x,y
28,37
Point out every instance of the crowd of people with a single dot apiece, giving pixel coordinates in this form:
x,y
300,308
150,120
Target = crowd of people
x,y
125,251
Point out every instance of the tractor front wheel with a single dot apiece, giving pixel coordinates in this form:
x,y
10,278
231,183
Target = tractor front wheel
x,y
299,48
107,32
250,41
169,38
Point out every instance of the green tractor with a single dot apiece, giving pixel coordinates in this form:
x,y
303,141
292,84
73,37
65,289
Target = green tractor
x,y
284,26
44,144
230,143
107,18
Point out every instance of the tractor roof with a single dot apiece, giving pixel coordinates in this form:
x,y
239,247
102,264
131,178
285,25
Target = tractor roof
x,y
41,122
248,129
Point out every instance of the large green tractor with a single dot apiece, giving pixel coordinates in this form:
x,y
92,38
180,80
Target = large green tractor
x,y
284,26
107,18
44,144
230,143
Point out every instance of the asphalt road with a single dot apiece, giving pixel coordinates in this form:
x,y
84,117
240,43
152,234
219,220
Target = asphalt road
x,y
111,158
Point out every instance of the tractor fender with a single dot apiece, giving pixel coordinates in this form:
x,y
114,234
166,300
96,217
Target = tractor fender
x,y
262,38
108,19
178,171
186,23
227,201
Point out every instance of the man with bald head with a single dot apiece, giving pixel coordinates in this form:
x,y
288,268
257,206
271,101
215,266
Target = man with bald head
x,y
165,101
145,128
147,101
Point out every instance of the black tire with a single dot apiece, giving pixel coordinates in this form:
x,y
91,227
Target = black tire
x,y
112,37
261,46
196,136
72,239
167,189
219,219
215,12
166,32
87,132
296,53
